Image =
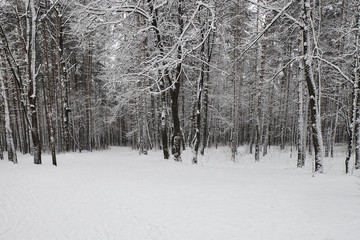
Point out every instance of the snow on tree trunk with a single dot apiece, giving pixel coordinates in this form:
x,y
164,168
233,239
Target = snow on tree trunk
x,y
354,116
357,80
205,116
89,98
351,142
32,91
301,133
63,82
200,86
234,129
48,100
174,92
269,112
260,60
4,93
164,139
210,42
312,90
198,116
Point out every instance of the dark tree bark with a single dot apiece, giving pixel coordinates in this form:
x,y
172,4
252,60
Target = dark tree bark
x,y
47,99
174,93
198,107
1,145
311,86
62,79
5,95
89,98
235,122
32,82
301,122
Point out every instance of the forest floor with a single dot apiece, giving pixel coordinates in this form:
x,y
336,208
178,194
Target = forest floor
x,y
117,194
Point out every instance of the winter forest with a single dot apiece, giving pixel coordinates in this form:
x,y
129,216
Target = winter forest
x,y
257,84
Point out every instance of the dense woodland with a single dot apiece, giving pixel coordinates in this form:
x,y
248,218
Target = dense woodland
x,y
173,74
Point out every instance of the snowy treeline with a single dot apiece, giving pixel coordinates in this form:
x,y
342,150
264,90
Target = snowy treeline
x,y
171,74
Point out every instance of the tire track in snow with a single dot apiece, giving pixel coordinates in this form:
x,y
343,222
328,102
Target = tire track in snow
x,y
19,220
7,217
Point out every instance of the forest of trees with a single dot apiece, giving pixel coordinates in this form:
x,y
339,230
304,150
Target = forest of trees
x,y
173,74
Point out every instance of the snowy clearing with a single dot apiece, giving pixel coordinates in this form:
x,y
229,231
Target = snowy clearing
x,y
117,194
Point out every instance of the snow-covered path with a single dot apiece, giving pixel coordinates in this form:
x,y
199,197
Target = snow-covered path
x,y
117,194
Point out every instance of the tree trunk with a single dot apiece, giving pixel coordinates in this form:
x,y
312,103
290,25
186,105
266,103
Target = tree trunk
x,y
356,80
48,100
159,45
301,123
210,43
5,93
164,139
89,100
354,116
32,91
313,93
261,55
174,93
198,110
235,123
353,113
1,144
63,81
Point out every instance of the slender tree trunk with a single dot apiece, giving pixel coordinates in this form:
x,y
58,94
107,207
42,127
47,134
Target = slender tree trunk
x,y
235,124
1,144
48,100
354,116
206,97
183,119
357,80
313,93
205,127
89,99
164,139
267,125
334,130
198,118
63,81
5,94
357,131
261,57
192,123
32,91
301,123
200,87
351,142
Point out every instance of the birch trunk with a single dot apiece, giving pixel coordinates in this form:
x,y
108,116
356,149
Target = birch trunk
x,y
301,123
198,116
4,93
32,91
210,42
312,89
353,143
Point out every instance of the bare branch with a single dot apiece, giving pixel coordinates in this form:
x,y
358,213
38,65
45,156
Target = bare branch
x,y
266,28
335,67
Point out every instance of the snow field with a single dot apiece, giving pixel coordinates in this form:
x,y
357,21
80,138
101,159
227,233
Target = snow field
x,y
117,194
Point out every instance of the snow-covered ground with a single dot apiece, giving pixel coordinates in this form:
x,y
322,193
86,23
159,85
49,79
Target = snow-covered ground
x,y
117,194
